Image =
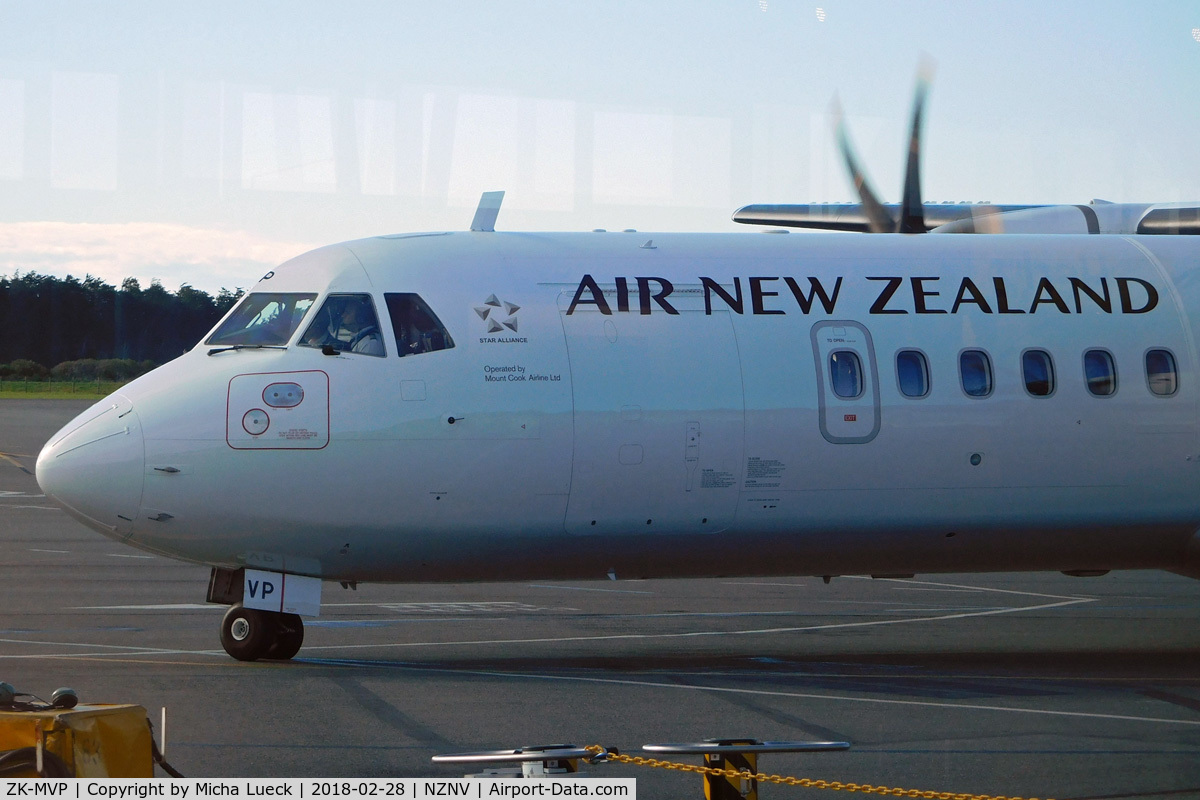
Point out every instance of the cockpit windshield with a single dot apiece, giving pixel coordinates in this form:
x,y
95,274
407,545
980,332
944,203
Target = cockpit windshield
x,y
263,318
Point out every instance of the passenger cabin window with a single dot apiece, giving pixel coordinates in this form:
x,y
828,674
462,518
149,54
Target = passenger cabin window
x,y
1100,372
1038,371
346,323
845,374
912,373
1161,373
266,319
975,370
418,330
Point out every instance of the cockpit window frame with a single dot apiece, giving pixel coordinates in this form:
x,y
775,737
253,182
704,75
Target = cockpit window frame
x,y
225,334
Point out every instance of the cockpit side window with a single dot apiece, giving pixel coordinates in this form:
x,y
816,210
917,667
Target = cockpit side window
x,y
346,323
418,330
263,318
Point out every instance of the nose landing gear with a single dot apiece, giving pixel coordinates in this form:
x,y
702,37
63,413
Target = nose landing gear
x,y
248,634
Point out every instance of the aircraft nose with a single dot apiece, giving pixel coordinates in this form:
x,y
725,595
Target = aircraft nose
x,y
95,466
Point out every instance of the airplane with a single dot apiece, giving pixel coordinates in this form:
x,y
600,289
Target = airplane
x,y
506,406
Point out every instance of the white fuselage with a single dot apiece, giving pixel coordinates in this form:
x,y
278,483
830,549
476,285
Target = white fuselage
x,y
709,441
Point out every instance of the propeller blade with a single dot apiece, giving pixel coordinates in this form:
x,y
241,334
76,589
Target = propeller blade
x,y
878,218
912,210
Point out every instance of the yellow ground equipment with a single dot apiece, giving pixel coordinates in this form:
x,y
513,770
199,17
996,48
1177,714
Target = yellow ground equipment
x,y
74,741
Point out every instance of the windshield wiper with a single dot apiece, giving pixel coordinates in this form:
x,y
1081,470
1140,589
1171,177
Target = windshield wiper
x,y
248,347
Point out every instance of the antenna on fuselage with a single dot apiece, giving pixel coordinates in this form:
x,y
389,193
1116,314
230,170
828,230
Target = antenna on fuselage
x,y
485,215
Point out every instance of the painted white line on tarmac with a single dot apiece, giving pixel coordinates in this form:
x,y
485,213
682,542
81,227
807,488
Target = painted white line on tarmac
x,y
156,607
908,584
892,603
465,606
701,634
39,550
968,589
352,605
931,676
125,649
468,607
651,614
815,696
123,555
927,610
111,656
587,589
921,586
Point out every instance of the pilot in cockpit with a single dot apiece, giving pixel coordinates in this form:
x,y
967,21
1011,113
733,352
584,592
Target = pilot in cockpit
x,y
404,318
346,323
417,329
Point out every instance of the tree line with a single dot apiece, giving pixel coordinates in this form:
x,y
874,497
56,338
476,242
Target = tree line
x,y
87,329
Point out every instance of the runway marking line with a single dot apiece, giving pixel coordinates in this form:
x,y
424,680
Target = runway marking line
x,y
156,607
379,623
922,586
227,662
927,586
133,650
700,634
470,607
587,589
794,695
947,676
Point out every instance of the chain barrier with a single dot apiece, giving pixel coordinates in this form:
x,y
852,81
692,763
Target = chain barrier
x,y
604,754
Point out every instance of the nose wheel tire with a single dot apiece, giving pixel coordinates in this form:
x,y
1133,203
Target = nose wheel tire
x,y
248,634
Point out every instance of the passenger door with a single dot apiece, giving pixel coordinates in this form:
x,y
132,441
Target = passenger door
x,y
847,381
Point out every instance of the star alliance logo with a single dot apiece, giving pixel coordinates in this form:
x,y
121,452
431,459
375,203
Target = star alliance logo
x,y
498,314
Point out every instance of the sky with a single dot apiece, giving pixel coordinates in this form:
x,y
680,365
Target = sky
x,y
204,143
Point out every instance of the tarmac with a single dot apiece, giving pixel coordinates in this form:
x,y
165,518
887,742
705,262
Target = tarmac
x,y
1021,685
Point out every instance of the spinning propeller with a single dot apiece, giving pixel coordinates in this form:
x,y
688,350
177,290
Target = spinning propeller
x,y
913,216
912,210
